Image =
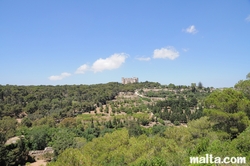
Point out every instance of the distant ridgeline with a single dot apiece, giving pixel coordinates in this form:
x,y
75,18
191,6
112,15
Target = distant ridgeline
x,y
129,80
60,101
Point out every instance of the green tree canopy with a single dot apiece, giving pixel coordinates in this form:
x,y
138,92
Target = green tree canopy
x,y
8,127
244,87
224,109
248,76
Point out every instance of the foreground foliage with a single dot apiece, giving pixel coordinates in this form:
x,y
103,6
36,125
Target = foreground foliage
x,y
175,148
93,125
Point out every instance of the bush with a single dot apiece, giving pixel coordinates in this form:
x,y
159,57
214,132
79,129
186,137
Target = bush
x,y
176,122
161,121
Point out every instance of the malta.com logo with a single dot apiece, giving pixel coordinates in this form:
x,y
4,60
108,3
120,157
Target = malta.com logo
x,y
209,159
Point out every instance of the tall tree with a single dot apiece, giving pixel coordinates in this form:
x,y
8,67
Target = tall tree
x,y
8,127
243,86
248,76
224,110
200,86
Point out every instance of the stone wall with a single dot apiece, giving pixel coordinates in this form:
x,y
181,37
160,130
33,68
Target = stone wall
x,y
41,152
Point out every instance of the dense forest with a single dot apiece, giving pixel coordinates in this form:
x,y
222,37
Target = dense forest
x,y
142,124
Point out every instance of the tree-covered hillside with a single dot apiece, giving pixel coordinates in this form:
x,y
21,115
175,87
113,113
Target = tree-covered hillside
x,y
114,124
61,101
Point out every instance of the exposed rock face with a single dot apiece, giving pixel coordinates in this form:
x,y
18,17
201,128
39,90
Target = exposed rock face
x,y
13,140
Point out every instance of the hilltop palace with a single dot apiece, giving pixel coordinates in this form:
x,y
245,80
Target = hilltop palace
x,y
129,80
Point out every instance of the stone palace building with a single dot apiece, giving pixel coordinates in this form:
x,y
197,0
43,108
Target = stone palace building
x,y
129,80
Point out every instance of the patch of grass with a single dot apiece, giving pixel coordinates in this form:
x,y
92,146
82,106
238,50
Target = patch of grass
x,y
85,117
118,117
141,115
146,99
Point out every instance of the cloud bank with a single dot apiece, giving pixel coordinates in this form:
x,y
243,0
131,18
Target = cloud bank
x,y
191,29
59,77
116,60
164,53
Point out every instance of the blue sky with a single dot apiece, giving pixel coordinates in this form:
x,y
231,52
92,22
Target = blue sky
x,y
88,42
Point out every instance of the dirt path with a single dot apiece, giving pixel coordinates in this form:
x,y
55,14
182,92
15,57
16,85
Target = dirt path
x,y
39,163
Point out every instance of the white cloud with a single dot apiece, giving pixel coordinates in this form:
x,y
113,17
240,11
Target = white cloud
x,y
112,62
191,29
185,49
59,77
82,69
144,58
248,18
168,52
